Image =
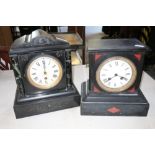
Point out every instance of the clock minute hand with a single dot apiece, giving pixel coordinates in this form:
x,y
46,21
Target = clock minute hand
x,y
45,73
44,67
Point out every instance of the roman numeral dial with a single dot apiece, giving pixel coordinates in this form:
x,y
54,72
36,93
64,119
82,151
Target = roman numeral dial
x,y
116,74
44,72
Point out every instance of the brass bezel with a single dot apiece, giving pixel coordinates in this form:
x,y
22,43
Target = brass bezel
x,y
123,88
41,86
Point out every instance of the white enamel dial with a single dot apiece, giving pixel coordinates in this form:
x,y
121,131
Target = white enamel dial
x,y
44,72
116,74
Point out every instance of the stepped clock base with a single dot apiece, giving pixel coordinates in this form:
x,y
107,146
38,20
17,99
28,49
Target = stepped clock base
x,y
24,107
112,105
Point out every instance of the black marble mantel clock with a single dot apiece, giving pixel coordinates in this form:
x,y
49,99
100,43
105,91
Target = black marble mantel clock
x,y
115,70
42,69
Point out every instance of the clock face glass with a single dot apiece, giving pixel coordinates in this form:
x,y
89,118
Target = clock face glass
x,y
116,74
44,72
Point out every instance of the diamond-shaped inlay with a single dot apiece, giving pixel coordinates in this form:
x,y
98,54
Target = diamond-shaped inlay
x,y
132,90
138,56
97,56
113,110
96,90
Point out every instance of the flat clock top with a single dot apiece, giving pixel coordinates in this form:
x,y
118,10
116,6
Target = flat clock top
x,y
44,72
116,74
101,45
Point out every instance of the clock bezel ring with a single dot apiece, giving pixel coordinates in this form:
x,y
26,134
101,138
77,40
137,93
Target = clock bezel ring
x,y
126,86
41,86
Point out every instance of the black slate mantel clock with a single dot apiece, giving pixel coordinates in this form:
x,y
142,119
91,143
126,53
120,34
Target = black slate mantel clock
x,y
42,68
115,70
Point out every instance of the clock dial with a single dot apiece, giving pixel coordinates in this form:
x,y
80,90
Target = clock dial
x,y
44,72
116,74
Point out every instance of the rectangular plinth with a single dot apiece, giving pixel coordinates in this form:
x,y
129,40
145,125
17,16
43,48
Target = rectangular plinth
x,y
112,105
68,99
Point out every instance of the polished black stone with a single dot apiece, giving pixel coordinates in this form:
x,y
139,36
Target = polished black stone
x,y
113,105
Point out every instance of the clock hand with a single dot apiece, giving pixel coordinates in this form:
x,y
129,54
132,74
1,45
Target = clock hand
x,y
44,67
124,78
111,78
121,77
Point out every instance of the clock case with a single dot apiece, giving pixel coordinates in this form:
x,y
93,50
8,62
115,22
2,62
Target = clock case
x,y
131,102
30,100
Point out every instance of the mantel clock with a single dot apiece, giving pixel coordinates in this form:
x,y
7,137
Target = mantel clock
x,y
42,68
115,71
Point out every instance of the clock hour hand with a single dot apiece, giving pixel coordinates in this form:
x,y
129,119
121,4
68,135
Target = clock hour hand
x,y
121,77
124,78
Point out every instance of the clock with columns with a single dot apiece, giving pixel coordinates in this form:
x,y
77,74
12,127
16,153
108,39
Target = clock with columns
x,y
43,72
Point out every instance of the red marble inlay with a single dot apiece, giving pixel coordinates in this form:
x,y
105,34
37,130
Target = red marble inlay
x,y
96,90
113,110
138,56
97,56
132,90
